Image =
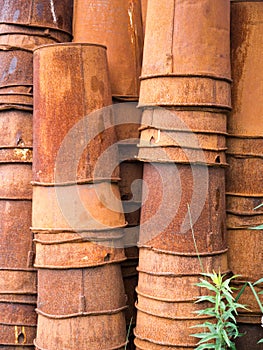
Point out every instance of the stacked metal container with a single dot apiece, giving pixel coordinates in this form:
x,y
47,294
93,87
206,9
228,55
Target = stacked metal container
x,y
244,176
77,215
23,26
185,96
118,25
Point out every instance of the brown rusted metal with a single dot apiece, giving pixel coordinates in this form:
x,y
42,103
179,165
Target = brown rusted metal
x,y
183,69
17,325
118,25
48,14
30,38
16,98
130,184
253,333
245,253
248,298
246,41
16,128
15,282
15,181
144,4
77,207
16,67
106,330
184,120
169,193
72,250
169,264
16,155
89,135
80,290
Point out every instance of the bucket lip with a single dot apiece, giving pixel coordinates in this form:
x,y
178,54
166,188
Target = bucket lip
x,y
184,254
7,47
69,44
88,181
117,347
202,75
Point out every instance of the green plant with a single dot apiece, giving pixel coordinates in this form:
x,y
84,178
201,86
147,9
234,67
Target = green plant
x,y
219,335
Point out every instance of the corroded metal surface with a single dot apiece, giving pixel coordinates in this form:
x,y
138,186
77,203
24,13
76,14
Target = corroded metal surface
x,y
75,250
153,261
16,98
17,325
143,344
118,25
16,245
56,109
144,13
183,69
16,155
16,128
16,67
80,290
245,253
103,330
130,187
30,38
17,282
184,120
15,180
49,14
248,298
77,207
246,41
175,234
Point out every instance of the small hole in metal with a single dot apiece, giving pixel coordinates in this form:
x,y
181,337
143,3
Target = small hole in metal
x,y
21,338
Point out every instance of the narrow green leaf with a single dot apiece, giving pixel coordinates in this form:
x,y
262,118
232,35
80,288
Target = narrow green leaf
x,y
256,296
258,281
207,346
260,227
225,336
260,341
241,291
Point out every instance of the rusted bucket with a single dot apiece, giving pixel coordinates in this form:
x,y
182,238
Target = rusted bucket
x,y
89,134
248,299
28,37
245,253
183,69
165,221
88,309
175,119
16,68
88,207
16,128
15,180
117,25
246,41
17,325
48,14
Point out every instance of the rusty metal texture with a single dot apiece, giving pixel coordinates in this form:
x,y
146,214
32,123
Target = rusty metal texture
x,y
130,280
175,119
144,4
16,128
16,98
15,181
16,155
117,25
172,331
127,120
88,130
248,298
16,67
16,241
253,333
80,290
245,253
38,13
176,236
183,69
246,41
30,38
17,325
143,344
76,250
95,207
154,261
130,187
102,330
17,282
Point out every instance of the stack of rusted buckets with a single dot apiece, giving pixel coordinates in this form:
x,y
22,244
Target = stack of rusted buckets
x,y
23,26
185,94
245,153
118,25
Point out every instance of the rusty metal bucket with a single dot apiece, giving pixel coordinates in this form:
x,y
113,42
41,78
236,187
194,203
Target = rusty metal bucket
x,y
16,128
85,207
48,14
83,126
15,180
30,38
18,325
117,25
246,41
165,221
87,310
183,69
